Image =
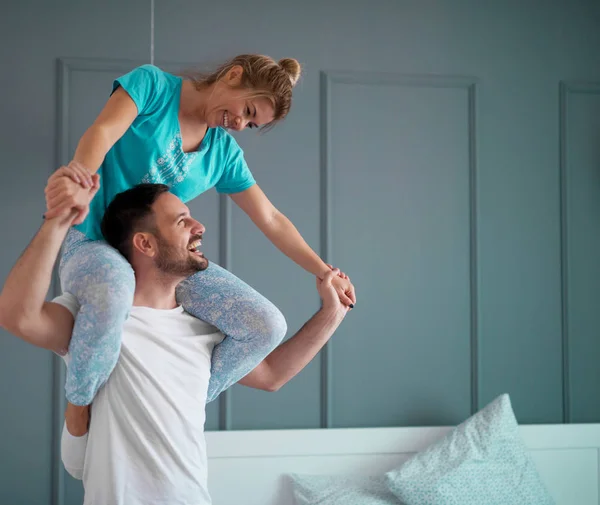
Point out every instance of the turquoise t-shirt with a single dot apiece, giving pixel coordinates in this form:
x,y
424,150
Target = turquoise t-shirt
x,y
151,150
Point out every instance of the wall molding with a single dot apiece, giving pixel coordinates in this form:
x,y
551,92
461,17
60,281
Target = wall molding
x,y
565,89
327,80
326,246
65,68
225,401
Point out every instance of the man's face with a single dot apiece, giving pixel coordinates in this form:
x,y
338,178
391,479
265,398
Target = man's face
x,y
178,237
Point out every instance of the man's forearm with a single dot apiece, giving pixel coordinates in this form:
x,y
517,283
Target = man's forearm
x,y
289,358
28,282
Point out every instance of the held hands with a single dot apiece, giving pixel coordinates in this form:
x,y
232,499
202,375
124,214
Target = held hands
x,y
328,291
71,188
343,287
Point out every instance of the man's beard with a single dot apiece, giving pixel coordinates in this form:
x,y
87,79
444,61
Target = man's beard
x,y
173,261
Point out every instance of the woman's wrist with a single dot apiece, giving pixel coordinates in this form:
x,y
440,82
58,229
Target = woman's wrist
x,y
324,271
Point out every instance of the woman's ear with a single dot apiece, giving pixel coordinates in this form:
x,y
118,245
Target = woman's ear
x,y
233,77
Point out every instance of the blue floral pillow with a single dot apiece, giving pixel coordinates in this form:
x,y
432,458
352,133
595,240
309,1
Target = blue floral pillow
x,y
482,461
341,490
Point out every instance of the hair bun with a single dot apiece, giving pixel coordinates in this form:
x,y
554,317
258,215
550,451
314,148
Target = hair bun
x,y
292,69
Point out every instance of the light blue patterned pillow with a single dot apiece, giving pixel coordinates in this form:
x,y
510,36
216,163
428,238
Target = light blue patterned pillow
x,y
482,461
340,490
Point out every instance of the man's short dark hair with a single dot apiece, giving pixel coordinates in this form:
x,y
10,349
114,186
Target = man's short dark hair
x,y
129,213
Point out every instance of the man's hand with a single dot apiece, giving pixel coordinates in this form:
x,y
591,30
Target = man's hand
x,y
64,195
344,288
328,293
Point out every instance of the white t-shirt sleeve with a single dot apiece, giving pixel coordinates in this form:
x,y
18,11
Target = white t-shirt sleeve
x,y
68,301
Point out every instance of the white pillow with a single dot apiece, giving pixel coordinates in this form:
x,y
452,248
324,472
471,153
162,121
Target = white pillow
x,y
482,461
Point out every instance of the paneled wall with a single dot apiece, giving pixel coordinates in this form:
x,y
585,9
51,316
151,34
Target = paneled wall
x,y
580,205
444,154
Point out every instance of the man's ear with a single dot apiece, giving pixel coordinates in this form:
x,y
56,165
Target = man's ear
x,y
145,243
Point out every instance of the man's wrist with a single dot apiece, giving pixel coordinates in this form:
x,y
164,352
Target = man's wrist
x,y
58,224
335,312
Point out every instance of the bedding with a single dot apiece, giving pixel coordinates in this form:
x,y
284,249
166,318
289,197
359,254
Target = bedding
x,y
341,490
481,461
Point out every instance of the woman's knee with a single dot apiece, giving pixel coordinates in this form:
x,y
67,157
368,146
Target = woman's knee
x,y
220,298
273,324
98,276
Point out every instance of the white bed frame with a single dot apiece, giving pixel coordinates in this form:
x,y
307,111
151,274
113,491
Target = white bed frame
x,y
247,467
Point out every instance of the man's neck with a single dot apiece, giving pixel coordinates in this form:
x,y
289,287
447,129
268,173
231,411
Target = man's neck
x,y
156,291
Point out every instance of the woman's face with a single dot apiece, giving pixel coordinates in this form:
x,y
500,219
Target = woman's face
x,y
230,107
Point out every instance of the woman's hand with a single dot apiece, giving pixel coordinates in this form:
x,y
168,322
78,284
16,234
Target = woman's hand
x,y
329,297
76,172
62,193
344,288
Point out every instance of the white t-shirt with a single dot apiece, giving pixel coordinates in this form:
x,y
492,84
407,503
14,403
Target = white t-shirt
x,y
146,440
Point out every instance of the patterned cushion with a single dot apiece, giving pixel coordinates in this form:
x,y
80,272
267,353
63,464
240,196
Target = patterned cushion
x,y
481,461
341,490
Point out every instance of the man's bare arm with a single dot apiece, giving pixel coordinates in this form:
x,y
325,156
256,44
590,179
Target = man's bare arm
x,y
289,358
23,309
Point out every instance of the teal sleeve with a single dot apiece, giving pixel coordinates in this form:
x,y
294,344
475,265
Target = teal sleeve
x,y
145,85
236,175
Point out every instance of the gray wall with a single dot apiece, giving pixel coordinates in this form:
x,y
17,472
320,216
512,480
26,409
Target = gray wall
x,y
443,153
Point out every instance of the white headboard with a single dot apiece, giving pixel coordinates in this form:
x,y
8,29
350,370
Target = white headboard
x,y
247,466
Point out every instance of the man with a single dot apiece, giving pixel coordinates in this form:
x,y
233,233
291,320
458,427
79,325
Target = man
x,y
146,440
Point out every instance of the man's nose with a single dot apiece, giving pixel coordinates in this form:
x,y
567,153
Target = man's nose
x,y
198,228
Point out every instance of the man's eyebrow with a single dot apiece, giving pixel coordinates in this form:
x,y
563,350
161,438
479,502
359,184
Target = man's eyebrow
x,y
180,215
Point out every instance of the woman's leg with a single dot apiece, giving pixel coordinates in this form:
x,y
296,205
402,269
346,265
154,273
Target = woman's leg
x,y
103,283
252,325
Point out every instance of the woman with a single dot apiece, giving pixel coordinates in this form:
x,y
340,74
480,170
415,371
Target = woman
x,y
161,128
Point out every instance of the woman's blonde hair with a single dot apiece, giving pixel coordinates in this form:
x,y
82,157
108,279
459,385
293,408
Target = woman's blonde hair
x,y
262,76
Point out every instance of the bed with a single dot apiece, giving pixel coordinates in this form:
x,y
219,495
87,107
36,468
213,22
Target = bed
x,y
249,467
